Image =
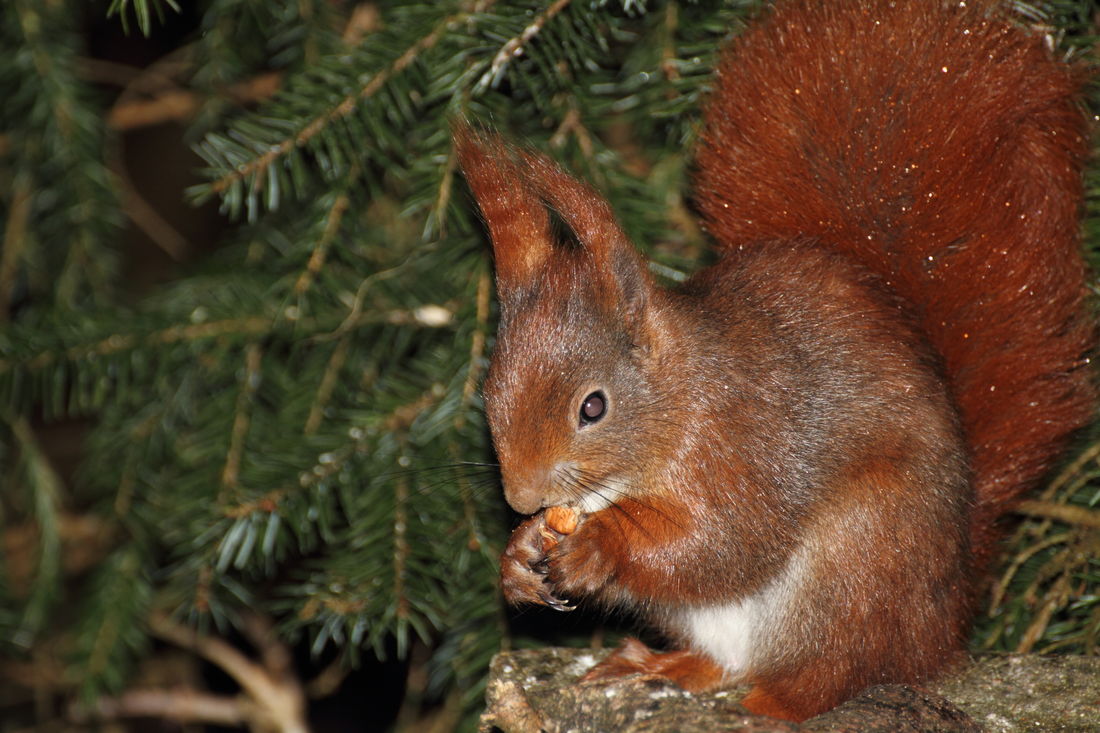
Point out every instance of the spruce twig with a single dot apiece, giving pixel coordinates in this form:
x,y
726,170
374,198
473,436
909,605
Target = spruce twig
x,y
423,317
327,385
513,48
333,461
46,489
250,380
1074,515
15,238
332,226
258,165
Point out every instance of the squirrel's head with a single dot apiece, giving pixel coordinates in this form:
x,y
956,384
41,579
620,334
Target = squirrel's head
x,y
571,391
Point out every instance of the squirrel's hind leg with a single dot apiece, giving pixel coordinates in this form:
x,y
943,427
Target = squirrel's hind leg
x,y
688,669
692,671
760,701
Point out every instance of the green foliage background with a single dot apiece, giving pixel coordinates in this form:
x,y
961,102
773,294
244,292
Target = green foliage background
x,y
292,424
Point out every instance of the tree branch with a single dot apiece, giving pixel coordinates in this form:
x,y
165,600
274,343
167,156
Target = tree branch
x,y
177,105
182,705
15,238
514,47
320,251
276,694
1068,513
345,107
241,419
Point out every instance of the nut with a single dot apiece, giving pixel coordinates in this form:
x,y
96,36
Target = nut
x,y
561,519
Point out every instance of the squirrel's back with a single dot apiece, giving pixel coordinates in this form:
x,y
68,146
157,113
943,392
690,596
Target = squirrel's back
x,y
940,146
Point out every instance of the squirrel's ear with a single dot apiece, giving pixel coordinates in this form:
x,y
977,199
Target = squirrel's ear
x,y
591,220
518,223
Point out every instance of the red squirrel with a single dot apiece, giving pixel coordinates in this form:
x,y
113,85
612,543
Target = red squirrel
x,y
793,463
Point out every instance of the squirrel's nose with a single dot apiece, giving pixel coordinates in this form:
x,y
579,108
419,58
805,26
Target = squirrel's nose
x,y
526,491
524,498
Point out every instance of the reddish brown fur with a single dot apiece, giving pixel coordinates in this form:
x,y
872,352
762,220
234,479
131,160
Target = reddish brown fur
x,y
954,176
808,444
689,670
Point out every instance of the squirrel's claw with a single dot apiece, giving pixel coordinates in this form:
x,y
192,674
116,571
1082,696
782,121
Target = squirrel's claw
x,y
556,603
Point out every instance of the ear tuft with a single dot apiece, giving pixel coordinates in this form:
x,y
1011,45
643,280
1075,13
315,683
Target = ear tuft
x,y
517,191
517,220
613,258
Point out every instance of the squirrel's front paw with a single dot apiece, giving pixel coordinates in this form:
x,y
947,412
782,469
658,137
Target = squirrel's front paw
x,y
578,565
524,566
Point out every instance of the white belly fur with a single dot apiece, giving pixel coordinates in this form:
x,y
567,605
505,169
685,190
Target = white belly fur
x,y
734,633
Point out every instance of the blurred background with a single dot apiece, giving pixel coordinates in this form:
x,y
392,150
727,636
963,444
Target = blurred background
x,y
245,307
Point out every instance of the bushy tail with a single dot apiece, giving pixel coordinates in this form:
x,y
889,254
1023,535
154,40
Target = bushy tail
x,y
942,147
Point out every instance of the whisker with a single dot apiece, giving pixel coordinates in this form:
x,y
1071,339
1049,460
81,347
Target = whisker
x,y
479,476
456,467
583,482
590,481
573,487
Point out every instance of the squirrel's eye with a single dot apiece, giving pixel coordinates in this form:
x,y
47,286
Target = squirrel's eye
x,y
593,408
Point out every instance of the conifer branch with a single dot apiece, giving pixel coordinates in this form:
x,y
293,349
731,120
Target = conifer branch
x,y
1001,589
431,316
257,166
333,461
84,540
363,20
249,382
174,105
268,503
15,238
1073,469
80,263
668,48
474,540
1053,599
108,633
124,493
514,47
427,316
278,696
443,197
113,73
202,588
320,250
477,341
46,489
400,547
32,25
69,140
571,124
178,705
274,655
328,680
249,326
149,220
161,105
1075,515
403,417
328,383
469,388
143,12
